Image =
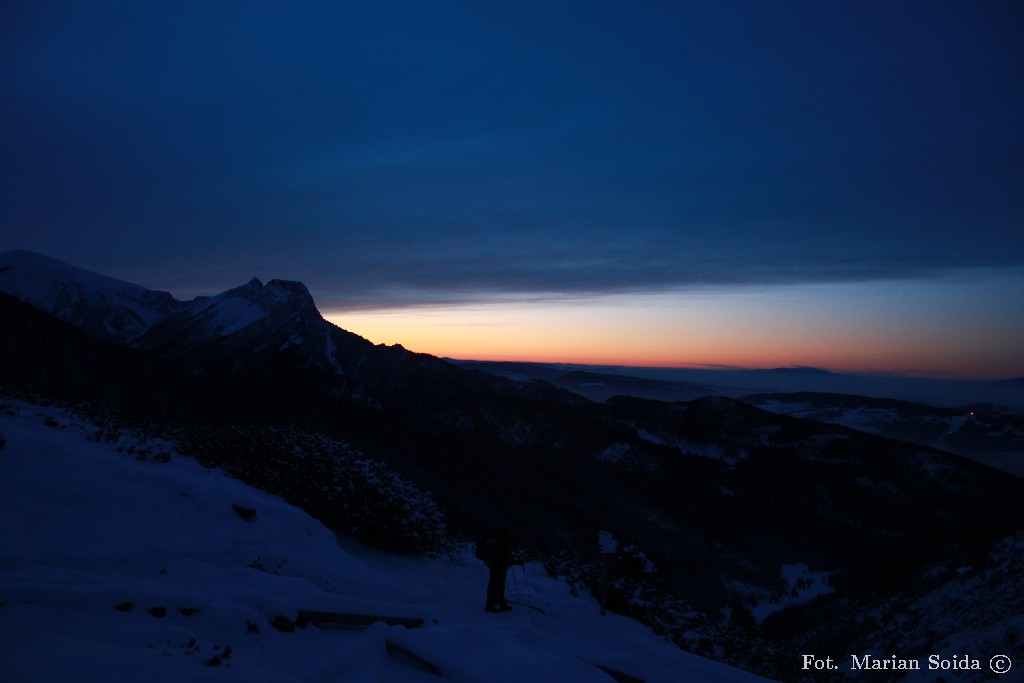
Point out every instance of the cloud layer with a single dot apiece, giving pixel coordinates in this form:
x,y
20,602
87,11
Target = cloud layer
x,y
403,152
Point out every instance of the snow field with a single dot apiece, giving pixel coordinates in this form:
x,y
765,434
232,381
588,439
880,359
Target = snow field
x,y
116,568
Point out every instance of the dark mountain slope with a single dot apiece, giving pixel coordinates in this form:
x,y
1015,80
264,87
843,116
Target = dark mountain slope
x,y
774,489
40,354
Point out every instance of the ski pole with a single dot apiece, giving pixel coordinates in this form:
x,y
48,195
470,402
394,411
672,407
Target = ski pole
x,y
529,591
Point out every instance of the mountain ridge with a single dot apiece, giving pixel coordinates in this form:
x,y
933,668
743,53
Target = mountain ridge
x,y
267,330
718,493
105,307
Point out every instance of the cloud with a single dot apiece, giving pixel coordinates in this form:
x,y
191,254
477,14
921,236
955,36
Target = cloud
x,y
393,153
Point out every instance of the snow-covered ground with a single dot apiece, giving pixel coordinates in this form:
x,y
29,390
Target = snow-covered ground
x,y
118,568
802,585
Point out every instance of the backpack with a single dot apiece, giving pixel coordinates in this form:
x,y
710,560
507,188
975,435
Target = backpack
x,y
486,547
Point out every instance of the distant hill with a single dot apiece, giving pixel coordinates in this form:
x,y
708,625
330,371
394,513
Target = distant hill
x,y
595,385
982,432
743,382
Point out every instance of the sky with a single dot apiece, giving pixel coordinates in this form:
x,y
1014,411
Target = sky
x,y
727,183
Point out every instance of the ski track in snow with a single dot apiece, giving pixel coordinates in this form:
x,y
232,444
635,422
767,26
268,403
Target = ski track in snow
x,y
116,568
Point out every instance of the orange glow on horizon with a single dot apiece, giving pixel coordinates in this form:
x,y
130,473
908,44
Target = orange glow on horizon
x,y
829,327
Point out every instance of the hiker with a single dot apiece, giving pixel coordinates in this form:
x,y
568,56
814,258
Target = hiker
x,y
498,557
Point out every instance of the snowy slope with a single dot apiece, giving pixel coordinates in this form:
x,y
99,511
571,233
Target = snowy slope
x,y
241,329
127,567
104,307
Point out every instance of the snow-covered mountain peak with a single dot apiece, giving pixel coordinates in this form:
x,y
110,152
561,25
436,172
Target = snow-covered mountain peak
x,y
251,320
290,290
251,303
105,307
277,293
25,263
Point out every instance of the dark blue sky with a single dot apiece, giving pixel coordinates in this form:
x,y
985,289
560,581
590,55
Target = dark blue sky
x,y
395,153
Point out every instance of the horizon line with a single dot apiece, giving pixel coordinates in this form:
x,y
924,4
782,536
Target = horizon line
x,y
697,367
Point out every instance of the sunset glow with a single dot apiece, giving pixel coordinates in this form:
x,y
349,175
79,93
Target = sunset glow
x,y
941,329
